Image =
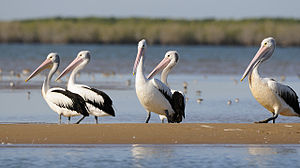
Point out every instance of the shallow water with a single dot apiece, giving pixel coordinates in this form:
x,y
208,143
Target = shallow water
x,y
149,156
120,58
216,91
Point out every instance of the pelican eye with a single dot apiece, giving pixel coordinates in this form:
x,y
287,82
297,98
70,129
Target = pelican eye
x,y
168,55
50,57
265,43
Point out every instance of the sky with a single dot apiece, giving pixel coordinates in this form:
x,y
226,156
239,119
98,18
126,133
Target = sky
x,y
182,9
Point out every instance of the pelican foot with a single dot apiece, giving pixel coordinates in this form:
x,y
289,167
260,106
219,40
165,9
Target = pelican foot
x,y
268,119
263,121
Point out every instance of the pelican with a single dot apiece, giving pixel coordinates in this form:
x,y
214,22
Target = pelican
x,y
167,64
62,101
153,94
275,97
99,103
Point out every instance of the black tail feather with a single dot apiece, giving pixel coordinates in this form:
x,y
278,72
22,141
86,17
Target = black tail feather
x,y
178,107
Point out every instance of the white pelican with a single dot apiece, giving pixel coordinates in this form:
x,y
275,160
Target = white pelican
x,y
153,94
167,64
99,103
275,97
62,101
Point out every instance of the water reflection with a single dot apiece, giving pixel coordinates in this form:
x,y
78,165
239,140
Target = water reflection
x,y
142,154
263,156
261,150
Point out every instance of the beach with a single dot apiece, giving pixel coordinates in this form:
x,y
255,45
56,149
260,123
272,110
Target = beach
x,y
220,111
130,133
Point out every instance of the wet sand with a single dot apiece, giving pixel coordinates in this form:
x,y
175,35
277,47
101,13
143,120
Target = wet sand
x,y
129,133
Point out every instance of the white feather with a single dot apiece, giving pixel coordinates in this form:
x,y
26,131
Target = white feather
x,y
88,94
54,98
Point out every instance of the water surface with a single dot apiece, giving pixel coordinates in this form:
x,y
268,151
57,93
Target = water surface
x,y
108,156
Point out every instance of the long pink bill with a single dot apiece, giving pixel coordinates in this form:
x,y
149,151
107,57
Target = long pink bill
x,y
260,53
70,67
46,64
159,67
137,60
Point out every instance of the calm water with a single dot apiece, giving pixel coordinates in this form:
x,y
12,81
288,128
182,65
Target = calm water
x,y
215,71
110,156
216,91
120,58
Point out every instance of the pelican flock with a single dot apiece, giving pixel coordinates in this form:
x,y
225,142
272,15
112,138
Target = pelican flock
x,y
99,103
275,97
154,95
62,101
166,65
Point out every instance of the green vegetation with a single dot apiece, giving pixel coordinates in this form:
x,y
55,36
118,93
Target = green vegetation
x,y
156,31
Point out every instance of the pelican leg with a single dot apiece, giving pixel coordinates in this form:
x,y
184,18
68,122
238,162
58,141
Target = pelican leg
x,y
268,119
274,118
168,116
69,120
148,118
163,120
80,120
59,119
96,118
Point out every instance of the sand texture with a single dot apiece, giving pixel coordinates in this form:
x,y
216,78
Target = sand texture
x,y
129,133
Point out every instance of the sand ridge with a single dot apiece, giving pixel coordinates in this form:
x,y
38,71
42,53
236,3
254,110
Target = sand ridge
x,y
153,133
131,133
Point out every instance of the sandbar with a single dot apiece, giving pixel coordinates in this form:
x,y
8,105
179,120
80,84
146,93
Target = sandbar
x,y
152,133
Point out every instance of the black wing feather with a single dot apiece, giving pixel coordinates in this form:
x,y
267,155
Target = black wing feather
x,y
177,104
78,103
290,99
106,106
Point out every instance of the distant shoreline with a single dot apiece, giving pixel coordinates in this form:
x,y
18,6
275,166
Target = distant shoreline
x,y
157,31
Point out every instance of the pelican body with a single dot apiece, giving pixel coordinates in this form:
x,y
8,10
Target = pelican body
x,y
166,65
153,95
99,103
275,97
62,101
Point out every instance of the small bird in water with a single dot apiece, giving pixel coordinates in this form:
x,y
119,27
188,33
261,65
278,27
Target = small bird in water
x,y
185,85
199,100
12,84
128,82
28,95
198,92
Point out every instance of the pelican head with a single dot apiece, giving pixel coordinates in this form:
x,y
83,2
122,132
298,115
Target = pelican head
x,y
141,51
265,52
170,60
51,60
83,58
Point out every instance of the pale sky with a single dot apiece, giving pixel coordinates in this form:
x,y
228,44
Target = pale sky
x,y
188,9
